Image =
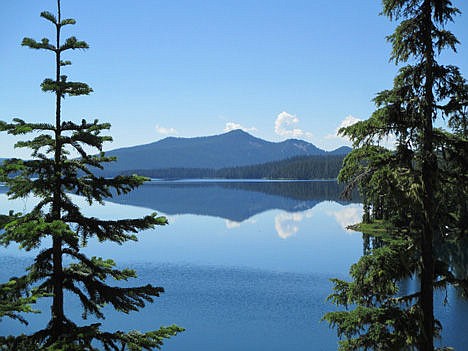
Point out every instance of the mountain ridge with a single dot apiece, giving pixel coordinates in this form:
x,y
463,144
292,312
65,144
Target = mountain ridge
x,y
235,148
232,149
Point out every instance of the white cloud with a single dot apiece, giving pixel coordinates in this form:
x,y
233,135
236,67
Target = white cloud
x,y
164,130
284,126
348,121
389,141
286,224
233,126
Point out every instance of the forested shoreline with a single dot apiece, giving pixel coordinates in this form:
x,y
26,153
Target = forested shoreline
x,y
296,168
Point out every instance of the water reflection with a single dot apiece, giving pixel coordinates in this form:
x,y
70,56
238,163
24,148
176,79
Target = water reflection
x,y
280,226
237,202
287,224
347,215
241,258
233,201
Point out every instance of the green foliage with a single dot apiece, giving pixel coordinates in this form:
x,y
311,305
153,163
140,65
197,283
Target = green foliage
x,y
82,339
415,196
378,318
16,299
51,175
65,88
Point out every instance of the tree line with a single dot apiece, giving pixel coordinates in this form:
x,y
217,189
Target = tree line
x,y
296,168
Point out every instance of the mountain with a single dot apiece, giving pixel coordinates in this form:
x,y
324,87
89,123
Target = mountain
x,y
343,150
232,149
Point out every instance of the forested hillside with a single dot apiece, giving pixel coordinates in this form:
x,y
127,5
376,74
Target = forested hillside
x,y
232,149
304,167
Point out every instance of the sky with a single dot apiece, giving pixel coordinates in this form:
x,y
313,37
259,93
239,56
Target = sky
x,y
277,69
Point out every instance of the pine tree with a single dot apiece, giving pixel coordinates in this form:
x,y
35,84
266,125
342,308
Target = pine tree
x,y
51,175
414,196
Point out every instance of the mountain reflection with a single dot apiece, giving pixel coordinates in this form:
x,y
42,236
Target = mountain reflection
x,y
231,200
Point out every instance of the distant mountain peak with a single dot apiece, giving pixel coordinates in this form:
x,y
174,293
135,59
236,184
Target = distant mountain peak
x,y
237,132
234,148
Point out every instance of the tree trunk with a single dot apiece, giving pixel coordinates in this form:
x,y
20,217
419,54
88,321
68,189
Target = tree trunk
x,y
58,314
429,173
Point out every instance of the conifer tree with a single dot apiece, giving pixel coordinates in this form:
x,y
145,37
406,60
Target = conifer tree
x,y
415,197
51,175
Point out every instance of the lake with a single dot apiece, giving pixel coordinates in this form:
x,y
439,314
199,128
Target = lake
x,y
245,265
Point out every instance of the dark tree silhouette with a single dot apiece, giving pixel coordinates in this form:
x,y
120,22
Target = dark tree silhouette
x,y
50,175
415,197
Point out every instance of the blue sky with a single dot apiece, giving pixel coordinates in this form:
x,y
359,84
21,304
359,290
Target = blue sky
x,y
278,69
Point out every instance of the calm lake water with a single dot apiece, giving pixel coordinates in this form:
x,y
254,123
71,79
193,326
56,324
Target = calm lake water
x,y
245,265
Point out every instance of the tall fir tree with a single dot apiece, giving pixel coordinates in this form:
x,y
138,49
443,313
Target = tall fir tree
x,y
51,175
415,197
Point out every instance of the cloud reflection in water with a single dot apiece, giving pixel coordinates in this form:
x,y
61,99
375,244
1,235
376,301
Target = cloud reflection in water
x,y
287,224
347,215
